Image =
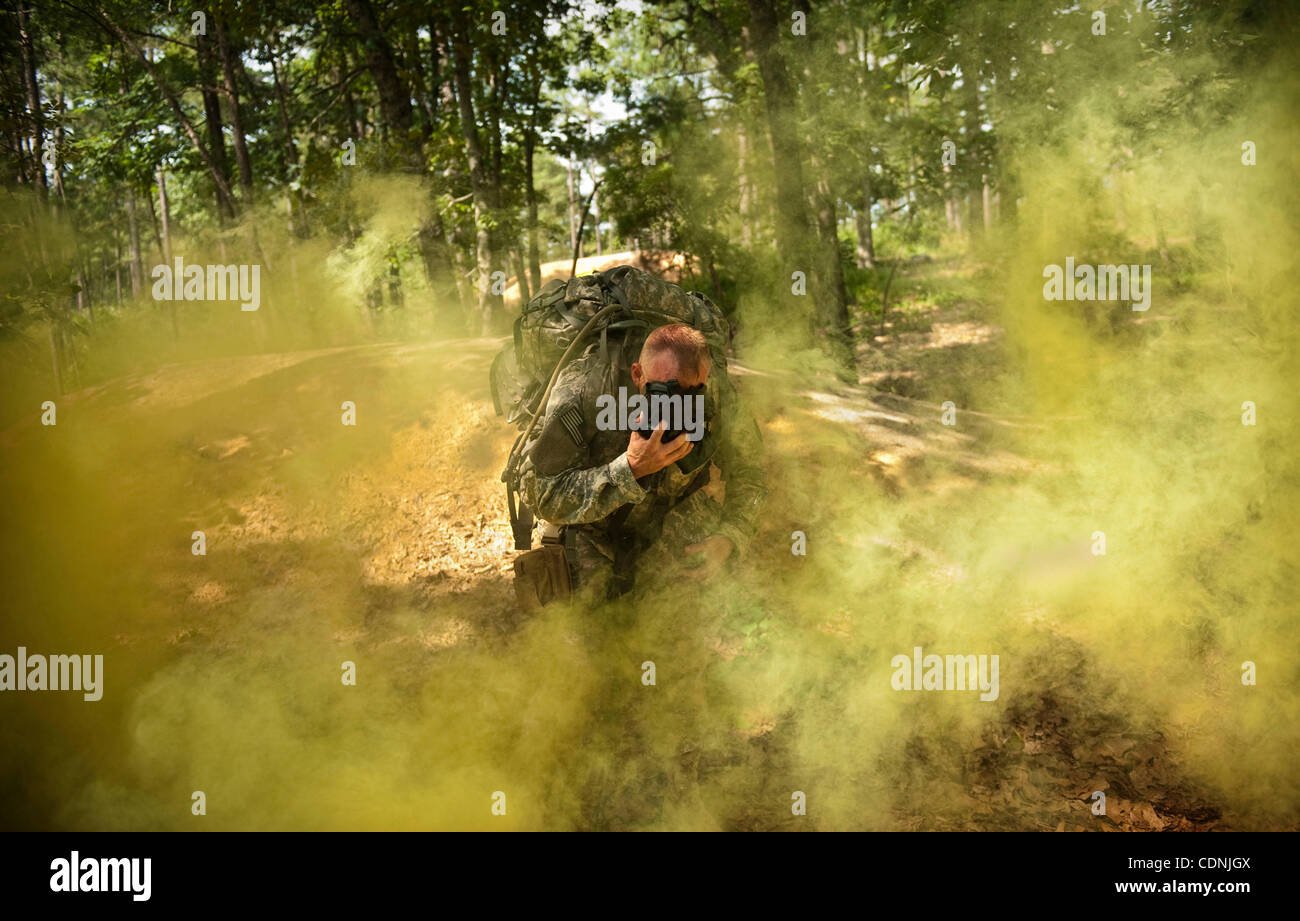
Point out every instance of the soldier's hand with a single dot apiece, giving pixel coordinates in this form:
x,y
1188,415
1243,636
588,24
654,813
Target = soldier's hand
x,y
650,455
716,550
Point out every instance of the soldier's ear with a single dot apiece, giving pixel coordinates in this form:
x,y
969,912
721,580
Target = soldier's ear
x,y
638,373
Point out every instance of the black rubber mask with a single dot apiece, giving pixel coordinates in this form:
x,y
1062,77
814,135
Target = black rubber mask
x,y
660,389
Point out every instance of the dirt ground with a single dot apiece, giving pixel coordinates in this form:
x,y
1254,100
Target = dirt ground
x,y
405,511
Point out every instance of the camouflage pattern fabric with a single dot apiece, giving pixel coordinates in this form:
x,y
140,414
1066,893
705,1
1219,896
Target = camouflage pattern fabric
x,y
577,476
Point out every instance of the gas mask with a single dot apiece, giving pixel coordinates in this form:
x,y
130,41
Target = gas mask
x,y
682,408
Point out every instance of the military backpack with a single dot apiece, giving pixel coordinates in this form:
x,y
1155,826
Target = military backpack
x,y
611,312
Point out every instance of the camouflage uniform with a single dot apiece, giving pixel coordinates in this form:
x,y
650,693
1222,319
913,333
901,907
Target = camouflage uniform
x,y
577,476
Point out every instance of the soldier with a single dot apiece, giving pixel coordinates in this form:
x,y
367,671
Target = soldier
x,y
617,496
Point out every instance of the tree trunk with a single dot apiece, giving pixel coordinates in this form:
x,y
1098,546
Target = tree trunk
x,y
837,312
296,214
438,265
971,79
212,114
782,120
59,191
14,167
746,189
396,296
27,42
117,263
949,202
415,65
530,194
530,188
988,205
830,296
573,204
355,119
286,124
394,97
487,301
496,98
830,310
866,242
153,221
84,302
521,275
133,225
1008,189
582,223
164,214
229,60
463,272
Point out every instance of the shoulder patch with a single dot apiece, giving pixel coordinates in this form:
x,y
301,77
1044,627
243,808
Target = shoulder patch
x,y
561,445
571,418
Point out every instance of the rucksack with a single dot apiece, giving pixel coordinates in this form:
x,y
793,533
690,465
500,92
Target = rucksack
x,y
611,312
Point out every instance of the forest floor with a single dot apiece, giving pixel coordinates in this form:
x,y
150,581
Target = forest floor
x,y
412,528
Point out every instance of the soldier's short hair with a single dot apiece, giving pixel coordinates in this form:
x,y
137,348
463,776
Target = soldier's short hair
x,y
686,343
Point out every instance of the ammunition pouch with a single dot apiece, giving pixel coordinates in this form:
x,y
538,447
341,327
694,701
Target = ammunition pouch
x,y
546,574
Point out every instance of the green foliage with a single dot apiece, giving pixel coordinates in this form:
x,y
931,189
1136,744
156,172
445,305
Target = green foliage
x,y
564,96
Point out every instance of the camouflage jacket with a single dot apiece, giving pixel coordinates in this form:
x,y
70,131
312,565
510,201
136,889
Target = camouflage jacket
x,y
576,474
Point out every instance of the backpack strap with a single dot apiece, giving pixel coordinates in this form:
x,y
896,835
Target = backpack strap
x,y
569,316
521,520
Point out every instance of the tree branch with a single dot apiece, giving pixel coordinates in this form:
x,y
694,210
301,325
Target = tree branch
x,y
577,245
106,22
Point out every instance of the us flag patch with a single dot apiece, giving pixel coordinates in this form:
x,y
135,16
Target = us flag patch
x,y
571,419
